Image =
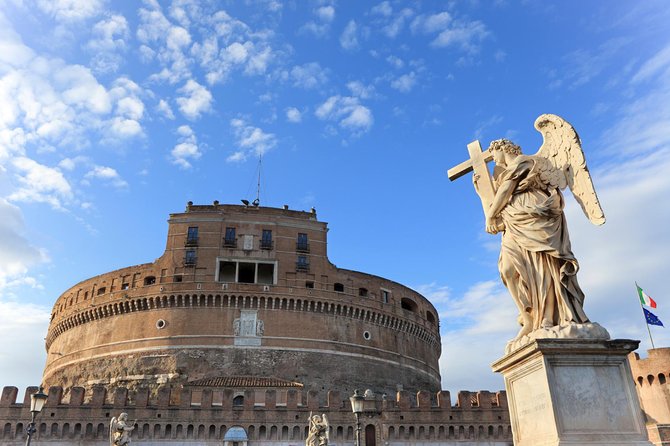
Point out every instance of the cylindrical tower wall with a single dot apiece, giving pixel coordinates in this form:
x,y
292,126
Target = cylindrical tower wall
x,y
248,307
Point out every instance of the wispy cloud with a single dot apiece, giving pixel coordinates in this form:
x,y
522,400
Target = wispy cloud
x,y
349,37
404,83
187,150
250,140
309,75
293,115
464,35
348,112
17,255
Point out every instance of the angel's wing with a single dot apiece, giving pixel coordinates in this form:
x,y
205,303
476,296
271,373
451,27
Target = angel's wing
x,y
324,419
112,429
563,149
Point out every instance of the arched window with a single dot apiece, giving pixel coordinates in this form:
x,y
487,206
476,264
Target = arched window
x,y
431,317
238,401
408,304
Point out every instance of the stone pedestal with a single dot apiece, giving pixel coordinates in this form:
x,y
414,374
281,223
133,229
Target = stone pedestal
x,y
572,392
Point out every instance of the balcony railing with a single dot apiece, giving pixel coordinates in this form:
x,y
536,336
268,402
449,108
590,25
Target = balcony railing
x,y
266,244
230,243
302,247
190,261
301,266
192,241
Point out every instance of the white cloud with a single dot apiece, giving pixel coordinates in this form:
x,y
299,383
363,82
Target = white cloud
x,y
71,10
40,184
395,61
349,38
481,320
384,9
325,13
17,254
317,29
404,83
659,63
463,34
293,115
361,90
184,150
22,366
347,111
187,149
109,34
250,140
195,100
108,175
164,108
309,75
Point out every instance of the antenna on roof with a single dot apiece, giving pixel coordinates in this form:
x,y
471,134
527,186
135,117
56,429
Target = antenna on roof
x,y
257,201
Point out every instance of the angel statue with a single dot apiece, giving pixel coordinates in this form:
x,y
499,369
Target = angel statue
x,y
525,203
318,430
119,430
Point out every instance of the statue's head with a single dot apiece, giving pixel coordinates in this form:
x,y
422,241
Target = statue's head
x,y
123,416
504,145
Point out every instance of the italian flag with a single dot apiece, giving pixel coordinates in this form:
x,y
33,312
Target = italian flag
x,y
646,300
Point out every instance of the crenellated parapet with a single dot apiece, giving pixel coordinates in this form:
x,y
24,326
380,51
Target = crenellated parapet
x,y
272,415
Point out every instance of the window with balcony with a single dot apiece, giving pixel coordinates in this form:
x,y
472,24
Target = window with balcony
x,y
339,287
363,292
230,238
266,239
302,244
302,263
192,236
190,258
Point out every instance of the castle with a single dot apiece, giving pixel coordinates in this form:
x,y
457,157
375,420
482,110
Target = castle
x,y
238,332
235,334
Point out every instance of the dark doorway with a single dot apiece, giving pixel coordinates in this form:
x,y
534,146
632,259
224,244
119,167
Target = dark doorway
x,y
370,435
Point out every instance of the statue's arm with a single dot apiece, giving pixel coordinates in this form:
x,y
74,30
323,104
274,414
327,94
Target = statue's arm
x,y
500,200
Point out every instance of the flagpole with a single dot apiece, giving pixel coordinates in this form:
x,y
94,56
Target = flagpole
x,y
645,317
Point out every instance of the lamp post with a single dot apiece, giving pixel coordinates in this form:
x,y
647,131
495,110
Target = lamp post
x,y
37,401
357,407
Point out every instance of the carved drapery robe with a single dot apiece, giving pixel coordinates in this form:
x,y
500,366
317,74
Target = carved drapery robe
x,y
536,261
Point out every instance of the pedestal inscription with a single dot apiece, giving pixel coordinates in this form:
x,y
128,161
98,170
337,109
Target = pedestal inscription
x,y
572,392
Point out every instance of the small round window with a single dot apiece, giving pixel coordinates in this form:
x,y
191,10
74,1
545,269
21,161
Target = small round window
x,y
160,324
366,335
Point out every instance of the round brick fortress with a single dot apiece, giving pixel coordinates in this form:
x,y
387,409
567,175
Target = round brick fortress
x,y
243,291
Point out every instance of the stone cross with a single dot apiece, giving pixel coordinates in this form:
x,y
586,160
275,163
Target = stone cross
x,y
477,162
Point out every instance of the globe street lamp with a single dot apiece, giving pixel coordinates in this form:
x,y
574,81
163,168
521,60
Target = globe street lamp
x,y
357,407
37,401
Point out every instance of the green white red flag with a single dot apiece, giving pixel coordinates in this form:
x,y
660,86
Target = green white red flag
x,y
645,299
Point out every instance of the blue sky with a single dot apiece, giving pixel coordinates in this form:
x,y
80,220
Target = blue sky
x,y
114,114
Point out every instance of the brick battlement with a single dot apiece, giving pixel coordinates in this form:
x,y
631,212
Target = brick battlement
x,y
275,416
223,399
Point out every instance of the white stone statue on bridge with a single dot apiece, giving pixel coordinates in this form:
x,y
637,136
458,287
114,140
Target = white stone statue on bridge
x,y
119,430
523,200
318,430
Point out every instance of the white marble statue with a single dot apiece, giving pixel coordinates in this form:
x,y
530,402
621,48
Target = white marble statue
x,y
318,430
119,430
525,203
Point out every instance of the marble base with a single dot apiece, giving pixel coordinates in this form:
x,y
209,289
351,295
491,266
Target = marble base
x,y
572,392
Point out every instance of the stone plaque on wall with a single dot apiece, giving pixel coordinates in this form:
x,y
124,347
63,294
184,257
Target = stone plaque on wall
x,y
248,328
